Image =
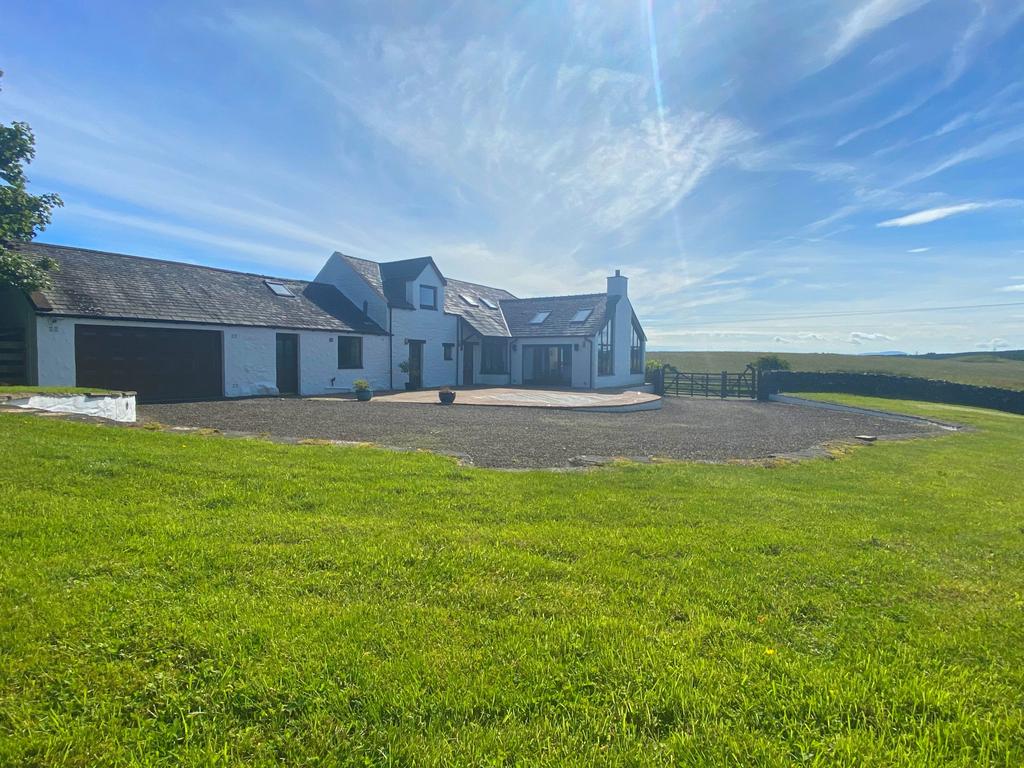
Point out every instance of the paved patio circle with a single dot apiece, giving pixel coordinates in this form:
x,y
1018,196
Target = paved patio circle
x,y
517,437
600,401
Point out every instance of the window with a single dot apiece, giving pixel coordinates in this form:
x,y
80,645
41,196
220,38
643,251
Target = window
x,y
428,297
636,349
468,300
488,303
279,289
350,352
581,316
539,318
449,350
605,351
494,356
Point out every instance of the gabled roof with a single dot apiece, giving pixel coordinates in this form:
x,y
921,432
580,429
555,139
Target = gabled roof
x,y
562,309
116,286
389,278
483,319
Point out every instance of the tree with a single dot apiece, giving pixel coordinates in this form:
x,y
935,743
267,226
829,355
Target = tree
x,y
22,215
770,363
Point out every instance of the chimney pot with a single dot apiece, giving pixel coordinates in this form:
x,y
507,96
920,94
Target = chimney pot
x,y
617,273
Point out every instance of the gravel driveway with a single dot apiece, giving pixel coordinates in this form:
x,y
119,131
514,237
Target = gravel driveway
x,y
704,430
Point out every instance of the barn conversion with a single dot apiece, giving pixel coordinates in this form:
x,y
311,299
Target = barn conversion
x,y
175,331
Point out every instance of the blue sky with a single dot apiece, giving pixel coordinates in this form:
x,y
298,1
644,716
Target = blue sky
x,y
771,175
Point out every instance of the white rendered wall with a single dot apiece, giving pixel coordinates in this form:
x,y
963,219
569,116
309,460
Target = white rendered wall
x,y
431,326
339,273
250,356
318,363
581,358
622,331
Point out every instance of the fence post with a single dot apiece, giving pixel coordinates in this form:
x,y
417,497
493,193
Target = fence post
x,y
725,384
658,380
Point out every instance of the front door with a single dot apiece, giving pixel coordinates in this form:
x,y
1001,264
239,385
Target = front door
x,y
468,365
415,363
288,363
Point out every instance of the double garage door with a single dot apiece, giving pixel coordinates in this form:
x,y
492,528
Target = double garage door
x,y
157,363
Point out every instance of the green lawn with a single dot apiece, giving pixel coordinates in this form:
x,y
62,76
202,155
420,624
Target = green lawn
x,y
186,600
1004,369
24,389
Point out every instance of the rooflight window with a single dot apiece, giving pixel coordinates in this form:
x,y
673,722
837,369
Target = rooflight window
x,y
581,316
488,303
539,318
468,300
279,289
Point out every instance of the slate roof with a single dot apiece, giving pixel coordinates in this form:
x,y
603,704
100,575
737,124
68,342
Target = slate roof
x,y
389,278
116,286
519,312
483,319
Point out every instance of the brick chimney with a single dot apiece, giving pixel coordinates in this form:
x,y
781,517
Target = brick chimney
x,y
617,284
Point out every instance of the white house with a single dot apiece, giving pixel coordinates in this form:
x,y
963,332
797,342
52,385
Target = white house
x,y
171,331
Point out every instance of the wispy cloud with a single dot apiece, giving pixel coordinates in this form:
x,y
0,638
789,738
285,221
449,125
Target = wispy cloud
x,y
1018,288
937,214
918,250
865,19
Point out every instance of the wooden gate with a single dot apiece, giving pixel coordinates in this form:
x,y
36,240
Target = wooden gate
x,y
724,384
12,356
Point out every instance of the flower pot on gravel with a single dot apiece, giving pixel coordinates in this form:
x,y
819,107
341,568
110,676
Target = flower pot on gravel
x,y
447,397
364,395
362,389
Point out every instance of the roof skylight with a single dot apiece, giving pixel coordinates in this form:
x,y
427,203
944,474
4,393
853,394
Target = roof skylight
x,y
468,299
488,303
539,318
279,289
581,316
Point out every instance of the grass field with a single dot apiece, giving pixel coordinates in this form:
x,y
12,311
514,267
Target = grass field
x,y
186,600
23,389
1005,369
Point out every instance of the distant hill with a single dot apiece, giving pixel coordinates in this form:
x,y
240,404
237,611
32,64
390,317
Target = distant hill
x,y
993,369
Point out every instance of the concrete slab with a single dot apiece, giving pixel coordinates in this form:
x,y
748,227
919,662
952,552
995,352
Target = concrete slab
x,y
601,401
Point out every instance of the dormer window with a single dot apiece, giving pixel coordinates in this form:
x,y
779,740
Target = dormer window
x,y
468,300
539,318
428,297
488,303
279,289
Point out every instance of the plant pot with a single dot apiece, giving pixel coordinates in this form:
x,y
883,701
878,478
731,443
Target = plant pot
x,y
364,394
446,398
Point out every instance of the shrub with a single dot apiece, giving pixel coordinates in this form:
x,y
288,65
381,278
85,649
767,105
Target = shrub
x,y
360,385
770,363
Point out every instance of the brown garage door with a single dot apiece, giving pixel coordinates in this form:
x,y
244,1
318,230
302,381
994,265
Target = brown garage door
x,y
157,363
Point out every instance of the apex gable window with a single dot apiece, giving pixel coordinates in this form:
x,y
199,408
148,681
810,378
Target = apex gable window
x,y
494,356
636,349
428,297
606,351
350,352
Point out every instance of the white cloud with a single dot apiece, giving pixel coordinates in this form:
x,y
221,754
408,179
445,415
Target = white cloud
x,y
1013,288
867,18
936,214
858,337
993,344
918,250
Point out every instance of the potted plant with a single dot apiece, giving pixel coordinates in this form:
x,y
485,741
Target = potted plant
x,y
362,389
404,368
446,396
